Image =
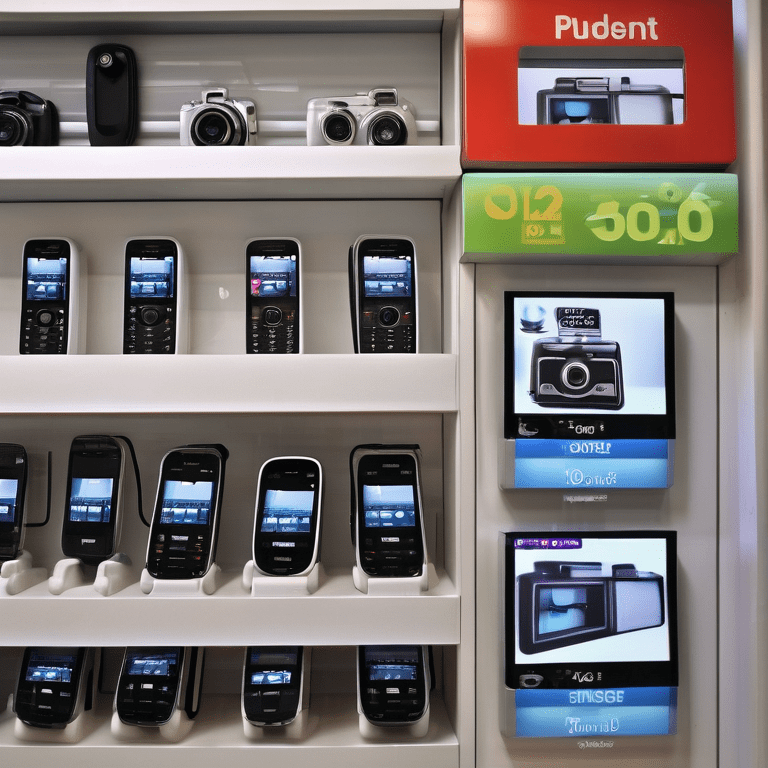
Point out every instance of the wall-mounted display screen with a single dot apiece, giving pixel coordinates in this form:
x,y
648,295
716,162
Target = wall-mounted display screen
x,y
589,619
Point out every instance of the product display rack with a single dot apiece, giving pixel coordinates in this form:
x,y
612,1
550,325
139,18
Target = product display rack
x,y
321,404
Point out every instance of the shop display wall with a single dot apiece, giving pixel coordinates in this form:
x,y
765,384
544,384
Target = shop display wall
x,y
321,404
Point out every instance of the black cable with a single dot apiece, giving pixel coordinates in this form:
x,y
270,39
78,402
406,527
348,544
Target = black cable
x,y
48,504
137,474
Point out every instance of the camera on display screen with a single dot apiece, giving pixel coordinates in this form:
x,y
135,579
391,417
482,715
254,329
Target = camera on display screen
x,y
27,120
577,368
218,120
377,118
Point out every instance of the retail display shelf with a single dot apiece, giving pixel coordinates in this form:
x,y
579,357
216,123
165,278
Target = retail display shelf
x,y
235,172
337,614
217,737
231,384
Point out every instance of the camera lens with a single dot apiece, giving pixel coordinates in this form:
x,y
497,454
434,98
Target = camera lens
x,y
575,375
388,316
387,130
214,127
14,128
338,128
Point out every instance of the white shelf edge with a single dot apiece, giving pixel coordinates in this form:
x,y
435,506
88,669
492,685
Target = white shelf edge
x,y
210,173
230,384
337,614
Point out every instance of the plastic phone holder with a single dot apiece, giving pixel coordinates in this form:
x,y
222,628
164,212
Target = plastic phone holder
x,y
176,729
206,584
262,585
391,733
297,729
111,576
18,575
411,585
71,733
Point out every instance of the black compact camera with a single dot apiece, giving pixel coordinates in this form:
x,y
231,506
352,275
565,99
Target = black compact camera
x,y
27,120
565,603
577,368
585,100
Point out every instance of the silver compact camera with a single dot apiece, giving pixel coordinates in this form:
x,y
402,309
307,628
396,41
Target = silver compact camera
x,y
376,118
217,120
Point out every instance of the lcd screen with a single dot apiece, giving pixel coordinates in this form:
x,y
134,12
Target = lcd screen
x,y
186,503
389,506
152,278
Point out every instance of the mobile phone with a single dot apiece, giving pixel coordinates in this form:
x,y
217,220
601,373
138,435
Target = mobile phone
x,y
273,684
154,316
387,520
111,95
273,296
393,683
286,532
382,281
55,686
93,514
51,316
185,523
156,681
13,494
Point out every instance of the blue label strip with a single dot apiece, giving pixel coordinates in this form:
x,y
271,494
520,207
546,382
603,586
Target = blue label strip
x,y
604,450
598,712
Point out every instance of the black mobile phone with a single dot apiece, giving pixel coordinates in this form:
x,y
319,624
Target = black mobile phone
x,y
382,280
50,312
13,493
154,320
185,523
273,684
273,296
93,514
393,683
55,686
156,681
387,520
286,533
111,95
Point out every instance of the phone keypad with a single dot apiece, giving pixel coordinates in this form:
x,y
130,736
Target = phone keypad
x,y
146,701
375,337
403,558
284,560
270,706
273,331
393,701
44,332
179,556
150,330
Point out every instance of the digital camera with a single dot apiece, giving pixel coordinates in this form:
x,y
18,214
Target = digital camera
x,y
577,368
565,603
217,120
27,120
376,118
604,100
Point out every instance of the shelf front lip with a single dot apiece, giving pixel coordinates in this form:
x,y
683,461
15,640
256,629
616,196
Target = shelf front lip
x,y
224,173
336,615
424,383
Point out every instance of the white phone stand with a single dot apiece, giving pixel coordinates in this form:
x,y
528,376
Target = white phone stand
x,y
206,584
111,576
412,585
391,733
69,734
18,575
262,585
176,729
7,713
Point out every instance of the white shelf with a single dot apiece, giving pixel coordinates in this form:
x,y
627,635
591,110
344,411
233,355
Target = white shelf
x,y
217,739
230,384
217,173
337,614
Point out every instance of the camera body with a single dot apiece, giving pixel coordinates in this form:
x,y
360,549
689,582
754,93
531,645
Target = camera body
x,y
27,120
564,603
577,368
376,118
584,100
217,120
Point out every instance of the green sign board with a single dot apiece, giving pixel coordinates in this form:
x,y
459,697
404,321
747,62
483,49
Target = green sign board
x,y
600,214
